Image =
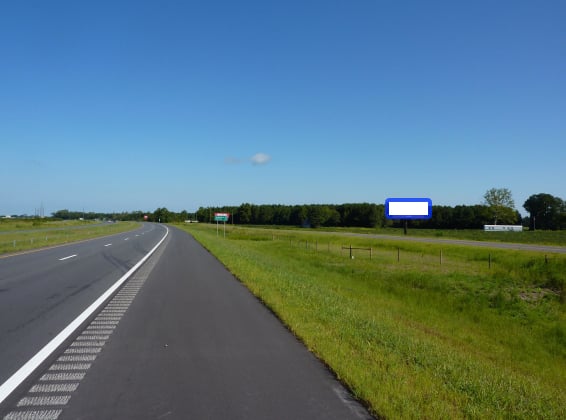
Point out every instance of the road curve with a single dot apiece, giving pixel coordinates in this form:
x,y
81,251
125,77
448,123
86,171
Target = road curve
x,y
42,291
193,344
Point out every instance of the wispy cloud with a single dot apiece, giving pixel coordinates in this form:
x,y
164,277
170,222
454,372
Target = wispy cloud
x,y
34,163
257,159
232,160
260,159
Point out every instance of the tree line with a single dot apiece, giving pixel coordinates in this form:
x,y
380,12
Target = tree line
x,y
352,215
545,212
78,215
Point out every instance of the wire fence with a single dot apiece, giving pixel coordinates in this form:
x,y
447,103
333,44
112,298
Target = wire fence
x,y
397,253
36,241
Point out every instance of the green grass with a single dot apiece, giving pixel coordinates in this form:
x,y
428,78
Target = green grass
x,y
8,225
541,237
414,338
18,236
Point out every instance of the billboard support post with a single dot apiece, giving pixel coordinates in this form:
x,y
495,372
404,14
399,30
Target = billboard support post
x,y
408,209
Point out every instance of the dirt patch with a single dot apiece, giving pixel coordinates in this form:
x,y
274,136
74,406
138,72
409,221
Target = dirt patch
x,y
534,296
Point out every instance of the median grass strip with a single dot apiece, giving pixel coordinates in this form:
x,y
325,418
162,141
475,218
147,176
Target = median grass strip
x,y
414,337
23,236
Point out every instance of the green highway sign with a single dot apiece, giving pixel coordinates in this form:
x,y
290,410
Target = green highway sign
x,y
221,217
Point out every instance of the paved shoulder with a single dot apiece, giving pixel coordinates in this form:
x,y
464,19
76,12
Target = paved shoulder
x,y
196,344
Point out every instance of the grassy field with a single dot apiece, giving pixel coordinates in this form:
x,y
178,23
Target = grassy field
x,y
22,235
8,225
411,335
541,237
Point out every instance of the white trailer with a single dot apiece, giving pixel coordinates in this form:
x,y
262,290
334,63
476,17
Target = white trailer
x,y
503,228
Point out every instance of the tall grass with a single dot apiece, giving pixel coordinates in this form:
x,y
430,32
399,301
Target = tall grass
x,y
414,337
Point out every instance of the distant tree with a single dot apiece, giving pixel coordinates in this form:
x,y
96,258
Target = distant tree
x,y
245,213
256,217
162,215
562,216
202,214
316,215
299,215
282,215
359,214
546,211
333,217
62,214
265,215
463,217
323,215
442,218
501,204
518,218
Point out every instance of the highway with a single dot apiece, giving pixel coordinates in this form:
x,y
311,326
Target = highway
x,y
41,292
181,339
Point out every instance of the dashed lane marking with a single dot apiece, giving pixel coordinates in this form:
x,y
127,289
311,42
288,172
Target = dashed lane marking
x,y
47,398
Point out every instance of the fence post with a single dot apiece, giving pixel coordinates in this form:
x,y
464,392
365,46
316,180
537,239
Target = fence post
x,y
489,261
370,252
350,251
545,259
398,252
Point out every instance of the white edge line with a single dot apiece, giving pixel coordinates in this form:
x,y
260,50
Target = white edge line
x,y
17,378
66,258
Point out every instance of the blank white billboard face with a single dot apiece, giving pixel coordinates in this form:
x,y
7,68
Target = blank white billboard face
x,y
408,208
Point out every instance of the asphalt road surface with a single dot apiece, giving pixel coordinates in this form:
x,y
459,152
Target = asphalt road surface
x,y
41,292
184,339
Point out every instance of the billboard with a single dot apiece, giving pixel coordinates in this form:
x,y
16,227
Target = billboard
x,y
408,208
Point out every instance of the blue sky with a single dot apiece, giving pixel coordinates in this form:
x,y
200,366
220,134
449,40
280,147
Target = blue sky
x,y
134,105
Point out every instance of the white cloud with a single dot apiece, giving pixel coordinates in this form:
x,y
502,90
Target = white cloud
x,y
260,159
